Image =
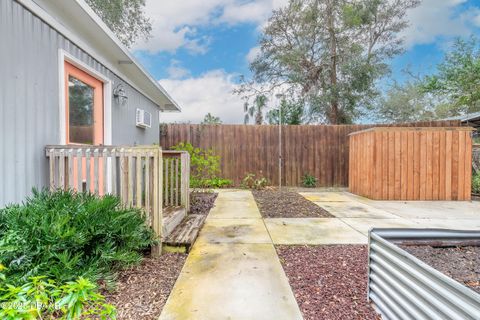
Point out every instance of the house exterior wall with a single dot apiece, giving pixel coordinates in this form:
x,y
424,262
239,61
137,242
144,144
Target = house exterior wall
x,y
29,101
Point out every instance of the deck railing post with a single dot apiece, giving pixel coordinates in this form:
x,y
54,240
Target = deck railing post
x,y
185,180
157,200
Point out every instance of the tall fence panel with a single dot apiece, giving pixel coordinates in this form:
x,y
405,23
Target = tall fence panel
x,y
319,150
411,163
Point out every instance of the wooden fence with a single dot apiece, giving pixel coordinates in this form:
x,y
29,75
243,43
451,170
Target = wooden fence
x,y
411,163
320,150
132,173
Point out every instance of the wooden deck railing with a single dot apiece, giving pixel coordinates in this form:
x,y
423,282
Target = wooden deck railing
x,y
176,173
134,174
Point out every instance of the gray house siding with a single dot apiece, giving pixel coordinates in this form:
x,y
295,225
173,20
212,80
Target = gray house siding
x,y
29,101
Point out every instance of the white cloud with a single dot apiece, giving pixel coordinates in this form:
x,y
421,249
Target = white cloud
x,y
211,92
476,19
252,54
254,12
175,21
176,71
435,20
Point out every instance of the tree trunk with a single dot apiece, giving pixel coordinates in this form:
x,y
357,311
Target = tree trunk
x,y
259,117
333,114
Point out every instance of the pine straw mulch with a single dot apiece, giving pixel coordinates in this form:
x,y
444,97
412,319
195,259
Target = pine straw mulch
x,y
273,203
329,282
142,291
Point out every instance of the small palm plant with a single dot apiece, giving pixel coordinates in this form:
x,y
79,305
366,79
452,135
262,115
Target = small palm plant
x,y
255,111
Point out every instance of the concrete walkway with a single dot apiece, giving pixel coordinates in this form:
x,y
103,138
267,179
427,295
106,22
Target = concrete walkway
x,y
233,271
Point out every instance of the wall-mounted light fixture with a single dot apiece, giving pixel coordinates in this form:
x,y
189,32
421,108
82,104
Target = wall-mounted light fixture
x,y
120,94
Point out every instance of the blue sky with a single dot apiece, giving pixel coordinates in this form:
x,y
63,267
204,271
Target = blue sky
x,y
199,48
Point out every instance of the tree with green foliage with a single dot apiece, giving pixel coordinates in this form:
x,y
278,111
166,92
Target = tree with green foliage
x,y
255,110
292,113
126,18
328,53
457,80
211,119
406,103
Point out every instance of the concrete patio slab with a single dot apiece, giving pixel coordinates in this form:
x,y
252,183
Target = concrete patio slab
x,y
235,195
325,196
430,209
364,224
224,209
458,224
234,231
312,231
232,281
351,209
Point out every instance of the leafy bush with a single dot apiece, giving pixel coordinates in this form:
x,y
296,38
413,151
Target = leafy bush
x,y
204,167
40,298
476,183
64,235
252,182
211,183
309,181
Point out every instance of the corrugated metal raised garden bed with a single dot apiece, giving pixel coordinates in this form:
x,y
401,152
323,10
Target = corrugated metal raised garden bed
x,y
401,286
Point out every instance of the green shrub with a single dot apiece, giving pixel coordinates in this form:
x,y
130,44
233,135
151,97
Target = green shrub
x,y
64,235
204,167
39,298
476,183
211,183
250,181
309,181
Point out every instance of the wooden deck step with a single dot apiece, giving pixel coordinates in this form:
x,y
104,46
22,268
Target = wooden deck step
x,y
186,233
172,217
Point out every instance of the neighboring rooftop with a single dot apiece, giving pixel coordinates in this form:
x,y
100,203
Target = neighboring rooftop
x,y
77,22
472,119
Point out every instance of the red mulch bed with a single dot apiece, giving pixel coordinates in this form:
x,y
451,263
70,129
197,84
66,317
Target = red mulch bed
x,y
142,291
329,282
459,263
202,202
286,204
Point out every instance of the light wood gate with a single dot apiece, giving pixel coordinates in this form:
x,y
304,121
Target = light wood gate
x,y
411,163
134,174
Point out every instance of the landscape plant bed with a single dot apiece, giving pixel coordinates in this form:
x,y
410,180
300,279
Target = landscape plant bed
x,y
202,202
462,263
287,204
329,282
142,291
